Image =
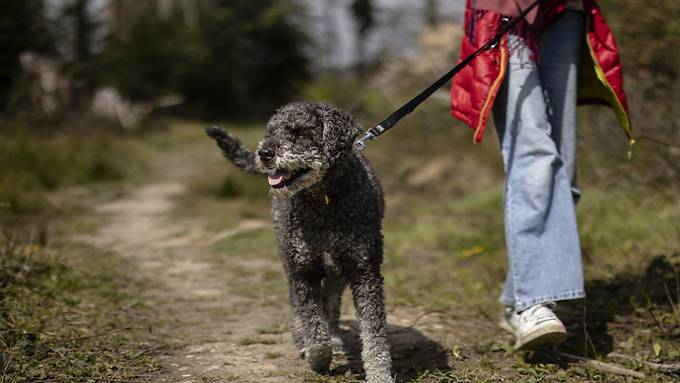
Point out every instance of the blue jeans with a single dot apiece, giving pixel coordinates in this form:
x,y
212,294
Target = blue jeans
x,y
535,116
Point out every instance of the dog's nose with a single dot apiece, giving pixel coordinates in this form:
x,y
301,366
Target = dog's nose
x,y
265,154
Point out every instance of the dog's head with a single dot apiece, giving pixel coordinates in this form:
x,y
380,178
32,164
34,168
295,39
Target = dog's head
x,y
303,140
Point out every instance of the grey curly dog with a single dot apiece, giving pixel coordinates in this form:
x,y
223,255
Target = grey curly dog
x,y
327,208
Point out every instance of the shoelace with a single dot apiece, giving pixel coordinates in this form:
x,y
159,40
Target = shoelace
x,y
546,315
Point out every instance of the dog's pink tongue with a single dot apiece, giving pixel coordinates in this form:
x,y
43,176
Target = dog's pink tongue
x,y
278,177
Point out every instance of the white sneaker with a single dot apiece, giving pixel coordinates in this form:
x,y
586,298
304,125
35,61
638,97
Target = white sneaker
x,y
535,327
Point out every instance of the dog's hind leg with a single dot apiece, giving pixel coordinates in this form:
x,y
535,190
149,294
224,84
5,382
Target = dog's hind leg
x,y
296,327
333,286
367,291
306,300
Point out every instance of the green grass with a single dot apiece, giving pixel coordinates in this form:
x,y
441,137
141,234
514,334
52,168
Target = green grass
x,y
66,314
617,225
35,162
444,252
248,242
273,329
66,311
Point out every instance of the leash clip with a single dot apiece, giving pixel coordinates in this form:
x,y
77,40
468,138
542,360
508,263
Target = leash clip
x,y
371,134
361,143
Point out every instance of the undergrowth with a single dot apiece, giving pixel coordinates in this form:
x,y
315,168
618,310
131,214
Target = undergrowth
x,y
36,161
66,315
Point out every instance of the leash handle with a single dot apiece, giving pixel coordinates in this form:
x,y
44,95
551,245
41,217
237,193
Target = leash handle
x,y
507,24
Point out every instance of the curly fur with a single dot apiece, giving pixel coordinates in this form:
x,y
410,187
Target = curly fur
x,y
328,226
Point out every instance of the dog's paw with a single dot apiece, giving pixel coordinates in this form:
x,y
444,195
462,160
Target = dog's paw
x,y
382,377
318,357
338,345
216,133
220,135
225,140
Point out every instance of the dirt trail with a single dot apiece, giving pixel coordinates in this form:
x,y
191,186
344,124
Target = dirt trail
x,y
225,316
216,334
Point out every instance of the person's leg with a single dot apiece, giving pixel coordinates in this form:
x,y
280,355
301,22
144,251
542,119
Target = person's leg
x,y
540,223
561,46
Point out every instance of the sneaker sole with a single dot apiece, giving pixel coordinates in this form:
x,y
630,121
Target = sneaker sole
x,y
550,335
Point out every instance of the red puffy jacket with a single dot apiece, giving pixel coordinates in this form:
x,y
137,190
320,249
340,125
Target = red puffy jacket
x,y
474,89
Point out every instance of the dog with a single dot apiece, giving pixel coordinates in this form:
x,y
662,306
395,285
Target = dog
x,y
327,209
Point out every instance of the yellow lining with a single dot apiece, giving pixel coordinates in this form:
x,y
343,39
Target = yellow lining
x,y
618,107
494,88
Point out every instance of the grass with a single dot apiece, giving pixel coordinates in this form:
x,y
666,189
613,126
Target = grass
x,y
273,329
272,355
444,255
36,163
247,242
66,311
247,341
445,246
67,314
445,252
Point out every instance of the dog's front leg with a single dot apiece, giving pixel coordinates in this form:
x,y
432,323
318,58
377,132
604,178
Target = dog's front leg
x,y
234,150
367,291
305,293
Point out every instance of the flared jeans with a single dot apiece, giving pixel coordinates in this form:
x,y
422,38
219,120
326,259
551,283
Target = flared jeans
x,y
535,117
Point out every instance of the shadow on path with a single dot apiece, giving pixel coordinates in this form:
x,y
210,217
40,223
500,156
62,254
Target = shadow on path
x,y
615,306
412,352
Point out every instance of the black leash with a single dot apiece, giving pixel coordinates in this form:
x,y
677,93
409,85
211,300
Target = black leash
x,y
507,24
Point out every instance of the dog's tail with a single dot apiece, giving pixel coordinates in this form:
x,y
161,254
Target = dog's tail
x,y
234,150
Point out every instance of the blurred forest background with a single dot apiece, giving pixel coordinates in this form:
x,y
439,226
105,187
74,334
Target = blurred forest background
x,y
95,94
103,64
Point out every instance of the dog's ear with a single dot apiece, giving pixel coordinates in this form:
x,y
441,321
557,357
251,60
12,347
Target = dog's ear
x,y
339,131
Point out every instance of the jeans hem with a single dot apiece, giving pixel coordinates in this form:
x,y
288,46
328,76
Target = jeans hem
x,y
568,295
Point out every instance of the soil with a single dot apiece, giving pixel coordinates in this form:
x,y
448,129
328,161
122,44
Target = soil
x,y
214,314
219,295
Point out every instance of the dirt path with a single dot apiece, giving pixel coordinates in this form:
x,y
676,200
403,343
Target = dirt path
x,y
218,296
223,312
215,333
221,306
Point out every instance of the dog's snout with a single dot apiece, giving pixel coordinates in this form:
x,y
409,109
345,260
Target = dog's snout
x,y
265,154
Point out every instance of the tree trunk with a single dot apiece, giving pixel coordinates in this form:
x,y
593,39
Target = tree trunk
x,y
431,13
82,28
